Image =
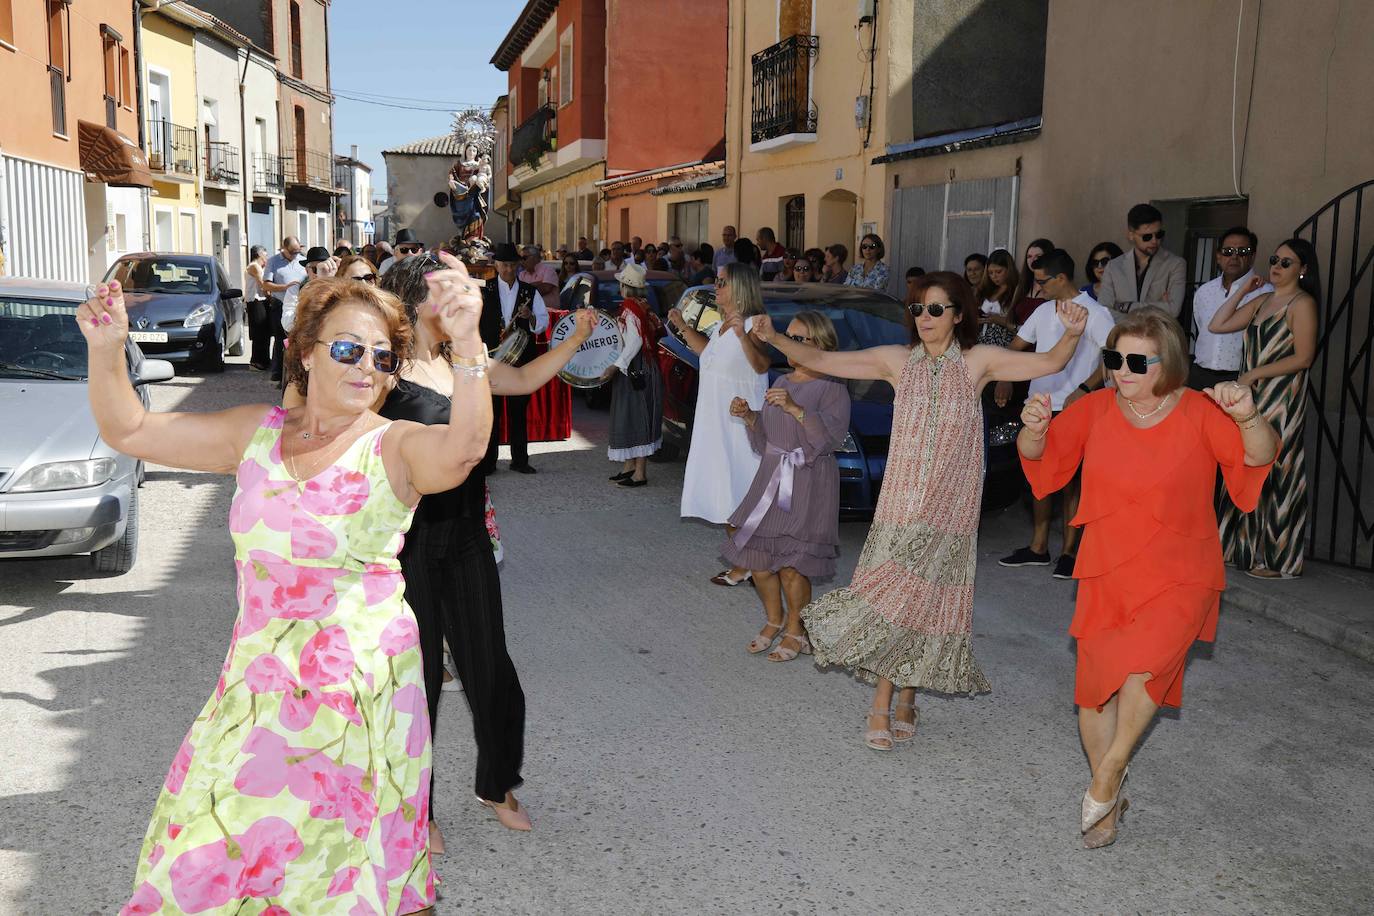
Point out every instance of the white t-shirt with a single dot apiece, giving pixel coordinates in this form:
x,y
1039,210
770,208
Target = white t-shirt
x,y
1044,329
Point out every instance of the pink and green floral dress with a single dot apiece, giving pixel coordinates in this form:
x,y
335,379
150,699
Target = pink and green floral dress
x,y
303,785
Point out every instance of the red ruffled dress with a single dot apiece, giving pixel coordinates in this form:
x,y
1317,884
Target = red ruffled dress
x,y
1149,567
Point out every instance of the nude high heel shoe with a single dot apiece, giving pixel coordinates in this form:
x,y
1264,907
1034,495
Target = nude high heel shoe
x,y
1094,810
512,818
1101,834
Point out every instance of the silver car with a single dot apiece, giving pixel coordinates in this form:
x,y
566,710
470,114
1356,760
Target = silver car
x,y
62,489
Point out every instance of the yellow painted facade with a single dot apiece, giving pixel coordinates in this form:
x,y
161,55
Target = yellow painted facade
x,y
842,193
563,209
169,65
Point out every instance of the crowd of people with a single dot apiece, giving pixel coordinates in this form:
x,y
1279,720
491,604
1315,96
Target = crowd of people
x,y
309,774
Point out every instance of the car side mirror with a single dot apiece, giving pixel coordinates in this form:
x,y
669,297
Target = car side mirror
x,y
231,294
154,370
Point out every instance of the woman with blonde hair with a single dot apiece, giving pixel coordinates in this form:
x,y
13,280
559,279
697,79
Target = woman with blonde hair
x,y
1149,567
720,462
787,529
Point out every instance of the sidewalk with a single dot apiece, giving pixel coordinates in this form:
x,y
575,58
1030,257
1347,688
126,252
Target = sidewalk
x,y
1331,604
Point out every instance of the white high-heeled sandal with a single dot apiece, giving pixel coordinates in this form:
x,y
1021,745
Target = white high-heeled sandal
x,y
1094,810
874,735
761,643
903,732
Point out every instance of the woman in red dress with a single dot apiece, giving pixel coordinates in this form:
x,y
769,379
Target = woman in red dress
x,y
1149,570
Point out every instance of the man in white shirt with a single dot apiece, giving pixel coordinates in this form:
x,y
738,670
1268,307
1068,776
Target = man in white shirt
x,y
283,271
1054,273
507,301
1216,357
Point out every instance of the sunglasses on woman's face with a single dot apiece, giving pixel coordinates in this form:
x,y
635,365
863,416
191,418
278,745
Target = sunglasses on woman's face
x,y
936,309
1137,363
1285,263
351,353
800,338
868,246
720,282
367,278
1099,262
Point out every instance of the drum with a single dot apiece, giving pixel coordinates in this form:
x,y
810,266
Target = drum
x,y
512,345
597,354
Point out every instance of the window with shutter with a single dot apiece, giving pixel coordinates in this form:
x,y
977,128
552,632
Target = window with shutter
x,y
565,68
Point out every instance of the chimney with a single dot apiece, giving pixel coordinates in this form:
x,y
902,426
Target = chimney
x,y
353,152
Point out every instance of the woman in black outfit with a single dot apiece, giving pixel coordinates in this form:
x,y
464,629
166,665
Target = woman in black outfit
x,y
452,584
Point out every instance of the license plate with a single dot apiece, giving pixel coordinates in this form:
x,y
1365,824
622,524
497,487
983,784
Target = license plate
x,y
148,336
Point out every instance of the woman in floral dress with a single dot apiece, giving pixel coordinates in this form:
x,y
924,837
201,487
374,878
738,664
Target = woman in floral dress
x,y
906,619
303,787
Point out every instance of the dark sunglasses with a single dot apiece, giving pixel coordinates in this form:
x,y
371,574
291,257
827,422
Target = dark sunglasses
x,y
1151,236
936,309
1229,252
1283,262
1137,363
867,246
1100,262
720,281
410,249
351,353
800,338
367,278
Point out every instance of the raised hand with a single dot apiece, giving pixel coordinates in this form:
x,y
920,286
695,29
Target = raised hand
x,y
763,330
329,267
103,320
1035,416
782,399
1073,316
733,323
1236,399
1254,283
457,299
675,318
739,407
584,322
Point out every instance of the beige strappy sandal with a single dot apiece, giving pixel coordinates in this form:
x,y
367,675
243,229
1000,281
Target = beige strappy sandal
x,y
875,737
902,732
783,654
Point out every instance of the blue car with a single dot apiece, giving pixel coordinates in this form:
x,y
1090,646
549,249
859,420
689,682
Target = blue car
x,y
182,308
862,319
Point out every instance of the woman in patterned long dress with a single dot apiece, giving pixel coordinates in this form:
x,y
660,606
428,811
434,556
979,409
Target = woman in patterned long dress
x,y
1280,344
906,619
303,784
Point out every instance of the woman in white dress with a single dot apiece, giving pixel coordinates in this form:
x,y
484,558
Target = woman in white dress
x,y
721,463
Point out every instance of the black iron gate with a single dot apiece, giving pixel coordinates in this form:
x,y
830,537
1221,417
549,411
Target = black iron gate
x,y
1339,437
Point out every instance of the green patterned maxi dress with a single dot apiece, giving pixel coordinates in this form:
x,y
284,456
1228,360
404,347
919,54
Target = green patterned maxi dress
x,y
908,613
303,785
1273,536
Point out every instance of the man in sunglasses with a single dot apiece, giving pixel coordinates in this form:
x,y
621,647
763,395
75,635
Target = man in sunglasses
x,y
1148,273
407,245
284,271
1216,357
1054,274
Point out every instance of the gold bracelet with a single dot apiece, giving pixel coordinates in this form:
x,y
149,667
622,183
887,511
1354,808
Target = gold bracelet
x,y
1252,416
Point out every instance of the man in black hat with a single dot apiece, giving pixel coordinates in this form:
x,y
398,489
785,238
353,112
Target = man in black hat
x,y
508,300
407,244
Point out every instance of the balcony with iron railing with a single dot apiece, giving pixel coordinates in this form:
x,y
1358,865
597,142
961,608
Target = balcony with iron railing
x,y
308,168
783,114
222,163
269,175
172,149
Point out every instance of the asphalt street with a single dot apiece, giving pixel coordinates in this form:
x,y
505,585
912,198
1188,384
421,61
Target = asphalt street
x,y
667,771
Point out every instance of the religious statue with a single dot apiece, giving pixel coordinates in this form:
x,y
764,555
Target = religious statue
x,y
470,177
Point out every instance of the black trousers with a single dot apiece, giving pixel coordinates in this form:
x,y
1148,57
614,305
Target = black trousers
x,y
277,334
516,428
455,592
259,332
1200,377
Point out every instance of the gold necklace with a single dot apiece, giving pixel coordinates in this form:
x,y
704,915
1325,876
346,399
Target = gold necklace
x,y
1145,416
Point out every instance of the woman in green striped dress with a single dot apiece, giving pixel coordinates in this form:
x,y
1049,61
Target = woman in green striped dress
x,y
1280,344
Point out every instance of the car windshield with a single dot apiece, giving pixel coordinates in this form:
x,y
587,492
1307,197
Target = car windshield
x,y
39,339
162,275
661,294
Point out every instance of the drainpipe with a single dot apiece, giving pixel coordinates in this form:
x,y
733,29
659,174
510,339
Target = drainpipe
x,y
247,164
147,194
743,121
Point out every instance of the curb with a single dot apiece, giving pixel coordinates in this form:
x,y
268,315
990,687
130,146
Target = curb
x,y
1305,619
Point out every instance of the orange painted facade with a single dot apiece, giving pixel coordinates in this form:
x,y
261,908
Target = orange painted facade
x,y
41,39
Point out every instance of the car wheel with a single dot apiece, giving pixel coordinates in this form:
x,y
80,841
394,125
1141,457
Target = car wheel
x,y
214,361
118,558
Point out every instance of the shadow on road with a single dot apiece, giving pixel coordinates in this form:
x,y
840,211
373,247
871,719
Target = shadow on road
x,y
93,731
